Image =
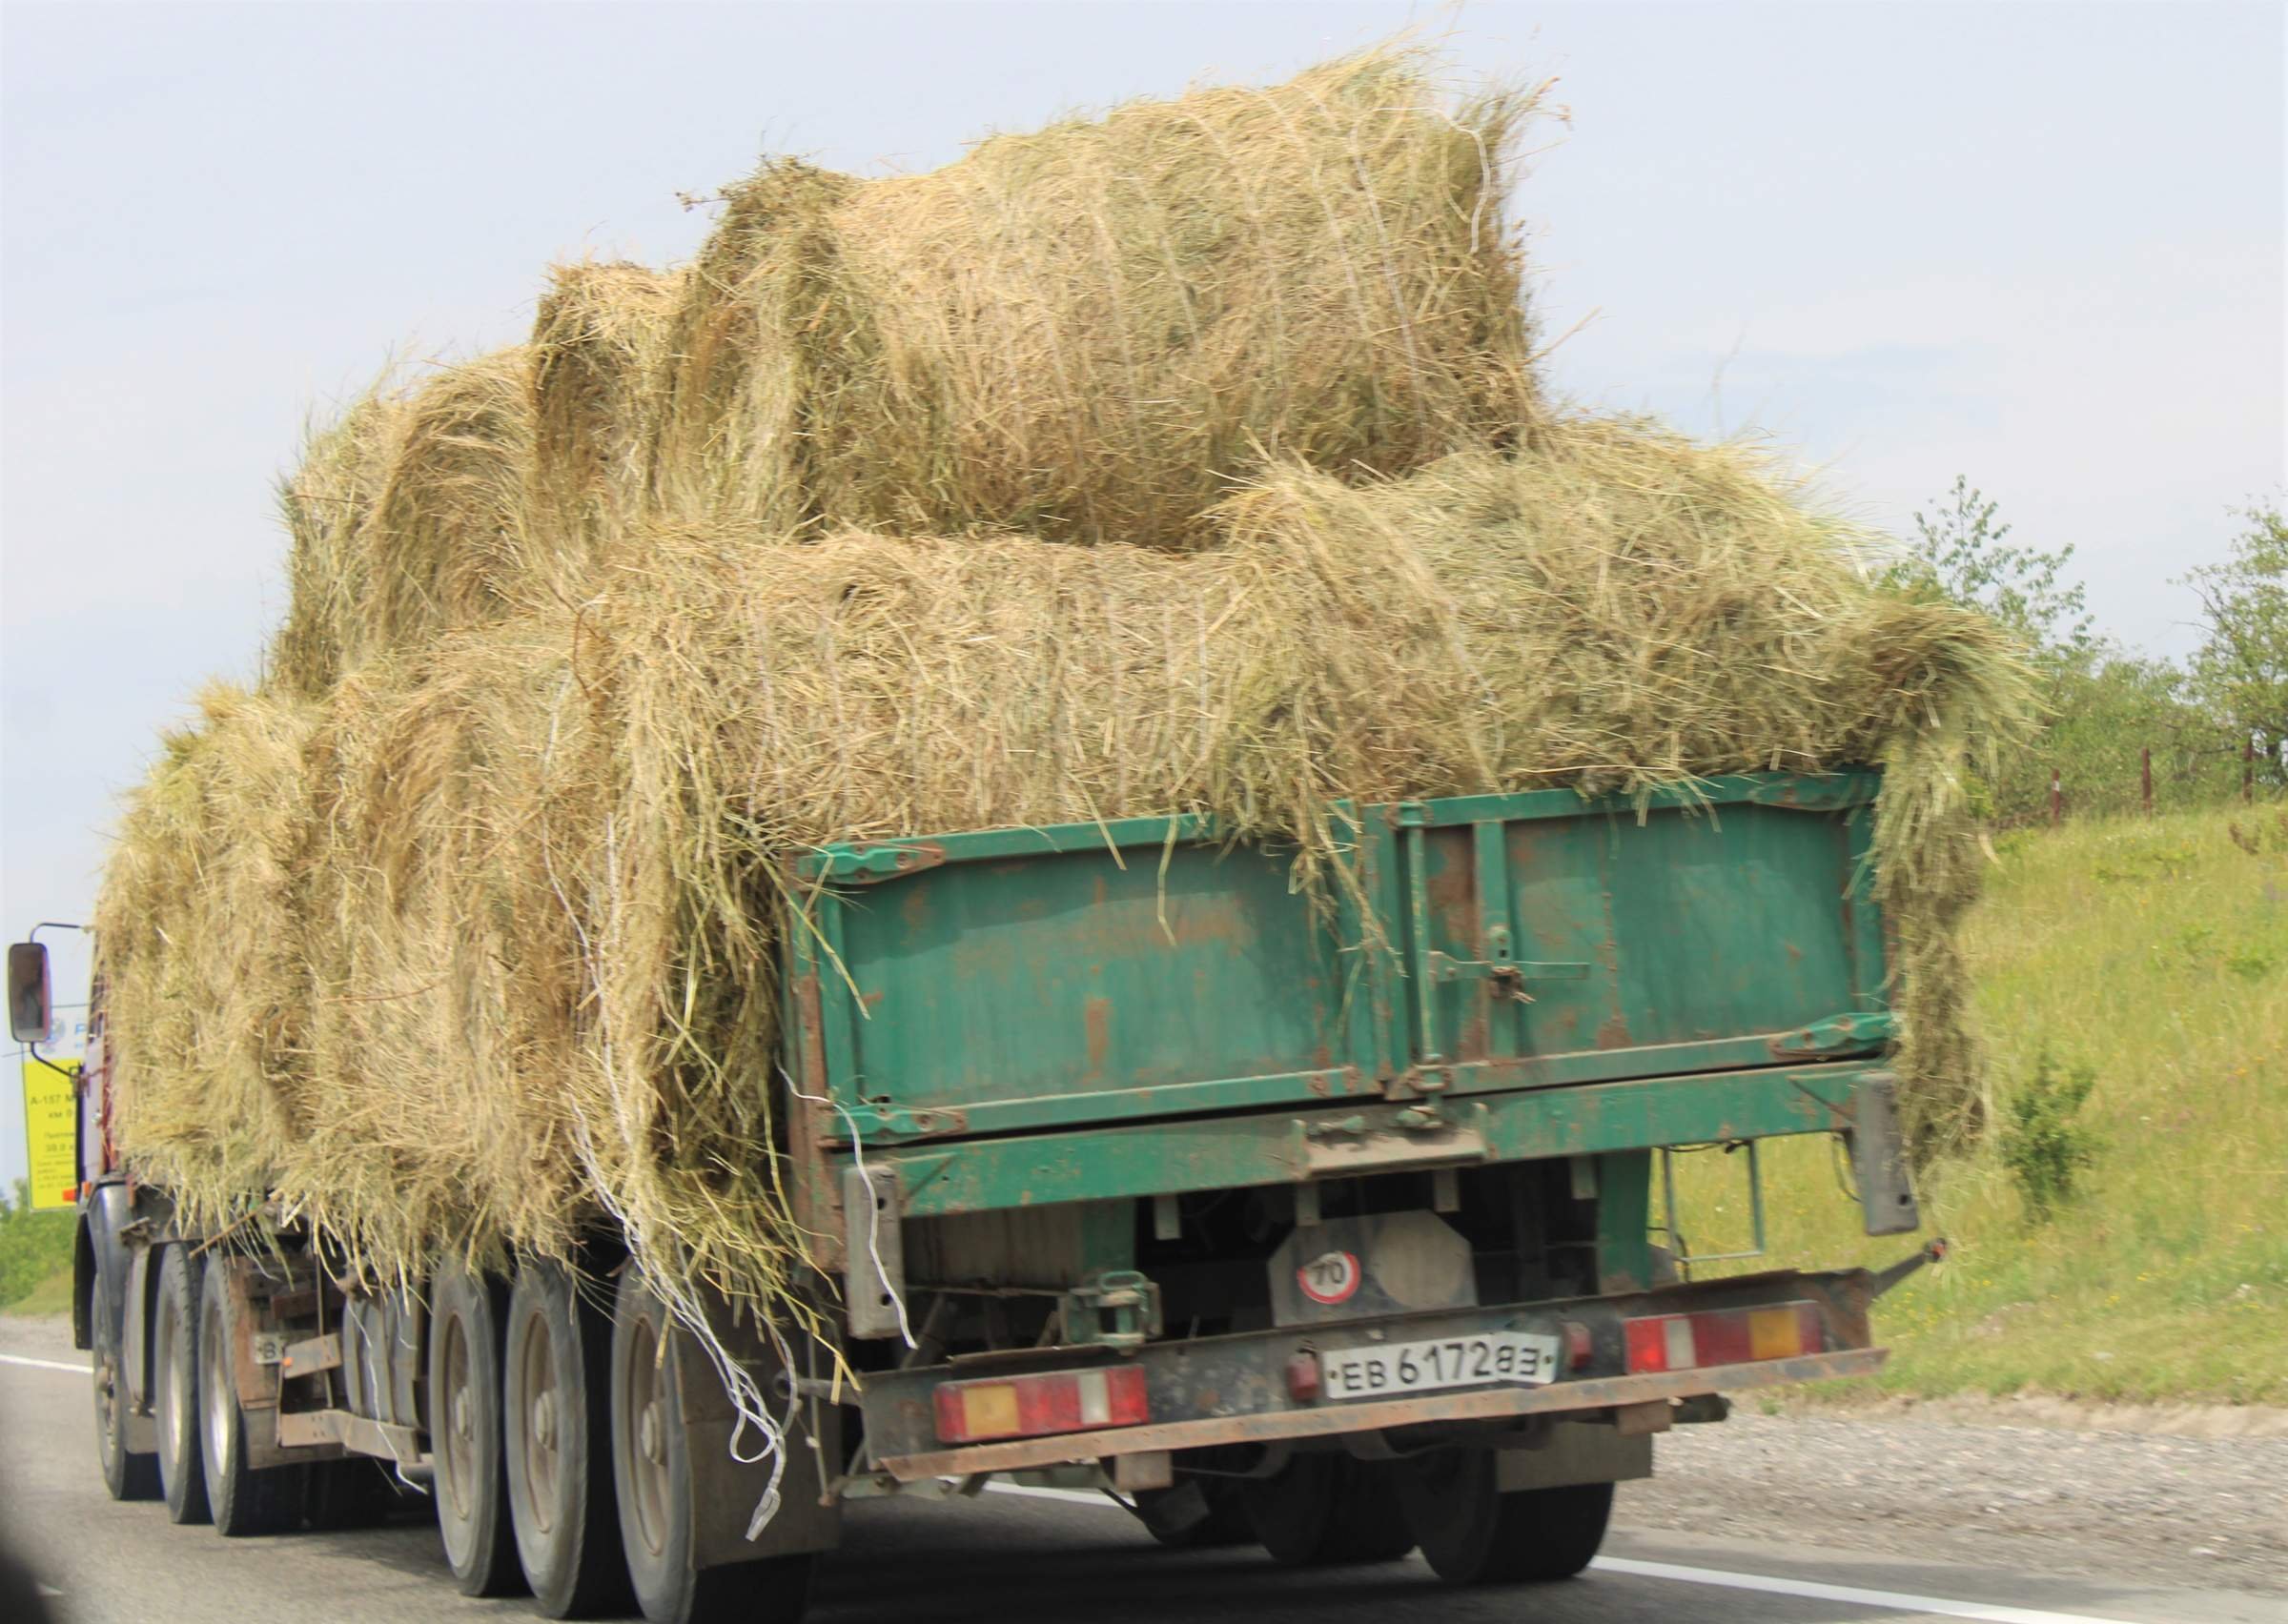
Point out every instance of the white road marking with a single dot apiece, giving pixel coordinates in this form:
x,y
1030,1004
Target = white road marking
x,y
1984,1613
44,1364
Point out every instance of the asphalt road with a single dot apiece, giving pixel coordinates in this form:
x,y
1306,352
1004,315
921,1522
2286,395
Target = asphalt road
x,y
1004,1556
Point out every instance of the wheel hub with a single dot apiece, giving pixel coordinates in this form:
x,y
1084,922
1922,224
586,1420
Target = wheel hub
x,y
650,1438
543,1420
463,1428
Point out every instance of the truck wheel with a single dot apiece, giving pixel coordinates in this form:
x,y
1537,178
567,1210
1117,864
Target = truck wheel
x,y
245,1501
558,1409
652,1472
126,1474
1195,1515
175,1386
1328,1509
464,1432
1474,1534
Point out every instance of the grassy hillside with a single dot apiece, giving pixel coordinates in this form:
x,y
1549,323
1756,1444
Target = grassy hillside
x,y
2149,959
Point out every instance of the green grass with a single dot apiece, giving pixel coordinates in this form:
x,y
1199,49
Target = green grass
x,y
2156,954
34,1246
49,1299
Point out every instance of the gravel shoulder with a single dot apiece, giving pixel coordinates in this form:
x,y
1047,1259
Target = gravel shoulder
x,y
2191,1511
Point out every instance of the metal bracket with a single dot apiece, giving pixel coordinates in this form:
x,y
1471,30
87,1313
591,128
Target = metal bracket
x,y
867,864
1119,1309
1443,968
873,1251
1855,1033
1879,1157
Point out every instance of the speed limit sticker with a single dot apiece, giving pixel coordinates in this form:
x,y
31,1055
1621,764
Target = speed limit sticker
x,y
1331,1277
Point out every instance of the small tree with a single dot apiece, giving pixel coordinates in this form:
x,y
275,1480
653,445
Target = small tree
x,y
2242,667
1962,550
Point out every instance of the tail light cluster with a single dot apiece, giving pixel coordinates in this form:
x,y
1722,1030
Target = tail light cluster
x,y
1036,1406
1722,1337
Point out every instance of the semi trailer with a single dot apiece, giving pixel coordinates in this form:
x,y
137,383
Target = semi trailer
x,y
1333,1218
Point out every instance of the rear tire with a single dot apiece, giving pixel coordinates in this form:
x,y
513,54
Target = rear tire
x,y
174,1368
653,1480
1327,1510
127,1475
1474,1534
471,1479
245,1501
558,1442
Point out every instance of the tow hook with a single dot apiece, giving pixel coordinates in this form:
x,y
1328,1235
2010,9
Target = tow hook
x,y
1887,1278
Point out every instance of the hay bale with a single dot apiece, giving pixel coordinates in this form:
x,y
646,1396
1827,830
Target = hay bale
x,y
326,502
448,543
206,992
1091,332
1088,333
598,353
440,963
410,517
745,347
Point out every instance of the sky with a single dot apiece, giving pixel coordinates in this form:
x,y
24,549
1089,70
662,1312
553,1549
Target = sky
x,y
2040,245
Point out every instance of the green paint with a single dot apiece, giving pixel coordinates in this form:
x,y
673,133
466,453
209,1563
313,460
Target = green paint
x,y
1266,1148
1623,1216
1104,1011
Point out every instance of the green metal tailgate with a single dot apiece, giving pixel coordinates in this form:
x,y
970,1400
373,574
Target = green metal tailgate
x,y
1024,980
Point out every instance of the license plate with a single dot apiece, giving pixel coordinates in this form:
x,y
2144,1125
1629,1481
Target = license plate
x,y
1524,1358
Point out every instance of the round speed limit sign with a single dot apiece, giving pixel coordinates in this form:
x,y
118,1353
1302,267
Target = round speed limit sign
x,y
1331,1277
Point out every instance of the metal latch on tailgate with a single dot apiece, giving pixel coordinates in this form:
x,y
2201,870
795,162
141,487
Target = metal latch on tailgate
x,y
1119,1309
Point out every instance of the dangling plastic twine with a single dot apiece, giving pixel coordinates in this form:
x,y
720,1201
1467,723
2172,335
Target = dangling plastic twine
x,y
873,1227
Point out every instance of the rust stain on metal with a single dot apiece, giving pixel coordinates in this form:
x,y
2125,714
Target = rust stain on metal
x,y
1097,1014
1614,1033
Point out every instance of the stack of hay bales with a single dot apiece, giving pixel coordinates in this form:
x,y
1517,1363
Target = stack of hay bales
x,y
1184,462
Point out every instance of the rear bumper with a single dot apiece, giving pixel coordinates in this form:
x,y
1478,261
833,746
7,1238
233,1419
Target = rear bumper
x,y
1231,1390
1557,1398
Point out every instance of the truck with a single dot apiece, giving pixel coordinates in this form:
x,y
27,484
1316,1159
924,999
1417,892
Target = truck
x,y
1338,1220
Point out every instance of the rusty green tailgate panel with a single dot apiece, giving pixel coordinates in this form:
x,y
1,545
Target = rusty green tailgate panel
x,y
1085,1006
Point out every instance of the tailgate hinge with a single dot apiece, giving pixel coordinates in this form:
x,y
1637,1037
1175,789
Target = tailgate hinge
x,y
1856,1033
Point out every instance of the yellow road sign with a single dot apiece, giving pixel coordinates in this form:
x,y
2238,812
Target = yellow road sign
x,y
50,1112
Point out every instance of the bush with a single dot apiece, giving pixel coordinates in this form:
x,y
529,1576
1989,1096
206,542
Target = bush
x,y
2042,1145
33,1246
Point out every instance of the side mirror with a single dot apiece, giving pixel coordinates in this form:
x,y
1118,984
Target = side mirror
x,y
31,1009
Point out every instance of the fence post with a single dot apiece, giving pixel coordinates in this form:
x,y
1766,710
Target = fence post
x,y
2145,772
2057,800
2248,770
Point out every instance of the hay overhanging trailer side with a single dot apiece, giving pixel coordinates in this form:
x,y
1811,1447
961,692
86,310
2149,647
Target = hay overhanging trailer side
x,y
1318,1217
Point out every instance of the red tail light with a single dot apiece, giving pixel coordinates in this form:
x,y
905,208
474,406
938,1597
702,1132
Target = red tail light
x,y
1031,1407
1723,1336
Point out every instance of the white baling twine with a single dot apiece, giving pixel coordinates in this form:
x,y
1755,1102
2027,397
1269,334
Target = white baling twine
x,y
873,1212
